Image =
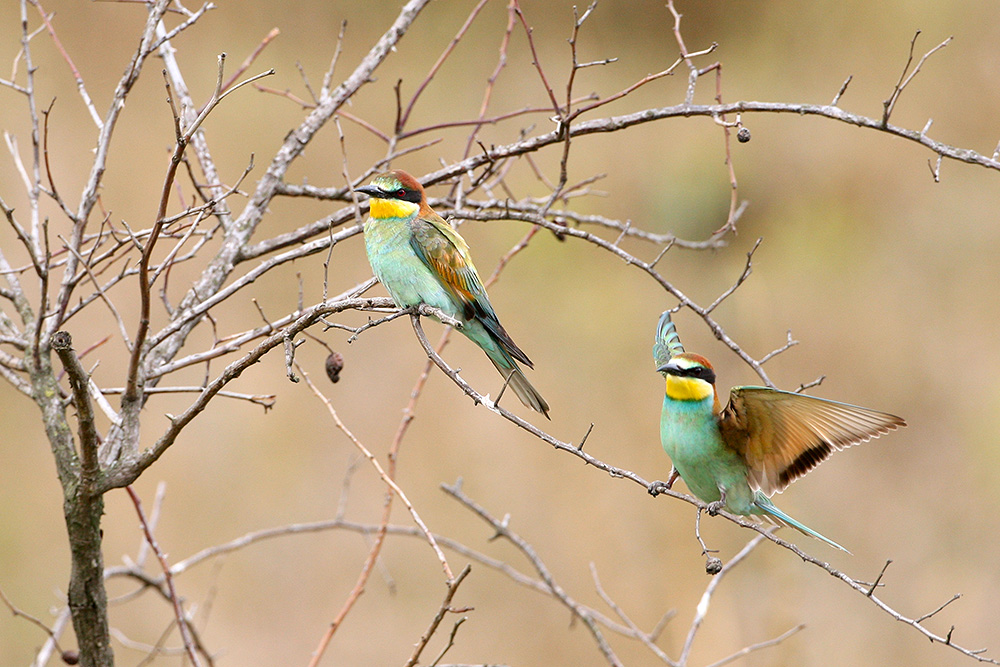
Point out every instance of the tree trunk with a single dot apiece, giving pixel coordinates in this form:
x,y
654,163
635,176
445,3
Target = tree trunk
x,y
88,599
83,505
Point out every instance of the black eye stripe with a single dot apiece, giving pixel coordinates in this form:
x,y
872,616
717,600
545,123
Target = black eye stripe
x,y
700,372
402,194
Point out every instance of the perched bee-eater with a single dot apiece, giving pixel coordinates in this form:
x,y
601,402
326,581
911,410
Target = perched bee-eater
x,y
421,260
735,459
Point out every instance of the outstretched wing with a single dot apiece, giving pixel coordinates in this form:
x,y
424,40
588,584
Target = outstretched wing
x,y
447,254
783,435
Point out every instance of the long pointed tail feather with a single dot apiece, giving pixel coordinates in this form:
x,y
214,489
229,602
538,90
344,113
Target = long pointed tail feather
x,y
768,508
497,352
522,388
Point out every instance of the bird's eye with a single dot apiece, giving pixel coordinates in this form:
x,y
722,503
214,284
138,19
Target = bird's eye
x,y
401,193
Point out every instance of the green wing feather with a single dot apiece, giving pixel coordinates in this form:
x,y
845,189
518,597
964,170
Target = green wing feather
x,y
783,435
666,342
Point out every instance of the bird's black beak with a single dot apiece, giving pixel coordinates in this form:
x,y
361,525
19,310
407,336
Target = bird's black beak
x,y
665,368
370,190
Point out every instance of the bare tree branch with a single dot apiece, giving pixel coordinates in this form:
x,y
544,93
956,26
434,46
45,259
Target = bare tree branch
x,y
199,248
179,615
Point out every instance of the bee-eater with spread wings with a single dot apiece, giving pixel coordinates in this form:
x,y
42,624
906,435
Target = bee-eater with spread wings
x,y
735,459
421,259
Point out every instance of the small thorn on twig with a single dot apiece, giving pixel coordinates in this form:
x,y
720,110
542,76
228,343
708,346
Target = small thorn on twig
x,y
501,527
936,168
880,574
585,436
806,385
843,89
669,245
625,228
506,381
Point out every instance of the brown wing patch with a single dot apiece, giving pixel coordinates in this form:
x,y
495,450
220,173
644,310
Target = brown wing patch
x,y
805,462
443,250
447,259
783,435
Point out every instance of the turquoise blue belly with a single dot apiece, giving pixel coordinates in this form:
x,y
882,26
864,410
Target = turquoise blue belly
x,y
409,281
691,438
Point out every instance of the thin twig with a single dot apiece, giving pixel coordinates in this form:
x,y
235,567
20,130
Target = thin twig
x,y
248,61
179,615
758,646
503,530
840,93
929,614
875,585
401,123
648,639
382,474
438,617
80,86
706,597
904,80
747,270
789,343
31,619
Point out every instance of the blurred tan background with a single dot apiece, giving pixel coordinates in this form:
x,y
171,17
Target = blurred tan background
x,y
888,280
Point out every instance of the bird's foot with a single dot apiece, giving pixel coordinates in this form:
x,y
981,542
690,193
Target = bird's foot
x,y
658,487
716,506
428,310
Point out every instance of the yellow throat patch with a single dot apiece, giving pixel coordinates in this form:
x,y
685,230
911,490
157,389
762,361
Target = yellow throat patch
x,y
687,389
393,208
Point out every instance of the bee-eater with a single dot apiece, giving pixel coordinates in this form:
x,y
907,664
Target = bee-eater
x,y
735,459
421,260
